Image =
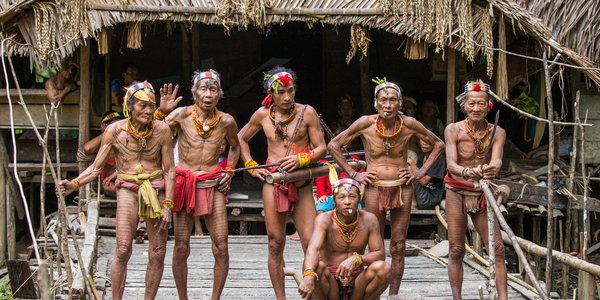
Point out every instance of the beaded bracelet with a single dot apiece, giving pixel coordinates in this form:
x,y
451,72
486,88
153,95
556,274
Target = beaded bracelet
x,y
311,273
168,203
359,259
229,167
76,183
303,159
464,172
159,115
250,163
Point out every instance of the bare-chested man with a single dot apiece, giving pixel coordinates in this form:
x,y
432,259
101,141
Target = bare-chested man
x,y
201,184
59,85
467,142
385,137
294,139
143,149
334,264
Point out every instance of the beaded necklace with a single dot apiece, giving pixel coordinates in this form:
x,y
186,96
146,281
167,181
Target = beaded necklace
x,y
141,137
480,143
380,129
204,128
348,231
282,126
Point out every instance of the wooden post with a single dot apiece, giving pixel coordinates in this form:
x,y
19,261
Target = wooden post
x,y
11,240
107,68
84,108
451,85
477,242
586,282
550,182
186,59
536,234
366,92
3,193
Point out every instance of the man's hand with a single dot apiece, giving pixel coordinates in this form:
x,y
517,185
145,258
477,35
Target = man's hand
x,y
345,268
366,177
225,182
307,287
322,199
168,98
109,178
289,163
474,174
65,187
166,218
488,171
415,174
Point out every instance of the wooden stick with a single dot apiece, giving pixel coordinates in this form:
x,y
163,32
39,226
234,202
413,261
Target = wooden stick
x,y
492,202
309,173
252,168
550,181
289,271
491,283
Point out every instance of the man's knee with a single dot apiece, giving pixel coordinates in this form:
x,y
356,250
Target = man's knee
x,y
276,245
181,249
220,248
157,253
123,250
397,248
456,251
381,269
499,249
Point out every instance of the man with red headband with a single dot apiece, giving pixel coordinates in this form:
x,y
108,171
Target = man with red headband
x,y
143,149
385,137
201,183
466,145
294,140
335,264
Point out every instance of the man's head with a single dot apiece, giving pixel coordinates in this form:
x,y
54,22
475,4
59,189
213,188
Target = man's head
x,y
206,89
409,106
429,109
280,85
130,73
388,99
345,108
110,117
474,101
139,102
69,70
346,193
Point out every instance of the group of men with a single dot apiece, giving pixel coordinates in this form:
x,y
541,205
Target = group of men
x,y
337,266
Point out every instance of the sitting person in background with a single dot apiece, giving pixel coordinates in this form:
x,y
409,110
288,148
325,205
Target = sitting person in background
x,y
429,116
59,85
429,190
334,264
409,106
345,115
118,86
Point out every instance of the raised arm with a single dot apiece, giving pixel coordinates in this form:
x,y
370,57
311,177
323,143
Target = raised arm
x,y
245,134
344,138
311,258
430,138
91,146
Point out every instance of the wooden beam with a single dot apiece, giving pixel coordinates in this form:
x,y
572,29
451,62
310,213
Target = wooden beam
x,y
450,88
213,10
84,105
89,251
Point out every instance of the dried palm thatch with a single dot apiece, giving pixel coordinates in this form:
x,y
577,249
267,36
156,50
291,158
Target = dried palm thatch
x,y
103,41
359,40
44,29
502,73
72,17
134,35
416,50
488,40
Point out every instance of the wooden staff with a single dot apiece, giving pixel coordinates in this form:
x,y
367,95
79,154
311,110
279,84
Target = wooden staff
x,y
310,173
491,201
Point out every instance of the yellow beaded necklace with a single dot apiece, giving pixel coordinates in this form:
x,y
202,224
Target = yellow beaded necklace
x,y
204,128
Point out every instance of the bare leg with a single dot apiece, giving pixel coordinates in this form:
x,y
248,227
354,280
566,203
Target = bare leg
x,y
127,219
400,221
198,227
304,215
157,248
217,226
182,226
275,223
480,222
371,283
326,287
372,206
457,226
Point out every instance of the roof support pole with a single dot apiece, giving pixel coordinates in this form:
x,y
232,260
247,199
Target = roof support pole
x,y
451,86
84,108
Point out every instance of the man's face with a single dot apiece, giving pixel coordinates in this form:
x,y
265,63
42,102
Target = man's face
x,y
346,111
388,104
347,199
476,105
428,109
408,108
425,146
130,75
142,111
283,96
207,95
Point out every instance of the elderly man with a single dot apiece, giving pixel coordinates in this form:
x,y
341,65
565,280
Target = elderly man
x,y
294,140
467,142
334,264
201,183
143,149
385,137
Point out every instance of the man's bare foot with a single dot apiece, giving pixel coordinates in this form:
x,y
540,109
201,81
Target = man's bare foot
x,y
295,236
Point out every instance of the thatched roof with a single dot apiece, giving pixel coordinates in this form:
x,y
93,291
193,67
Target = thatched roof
x,y
575,23
30,32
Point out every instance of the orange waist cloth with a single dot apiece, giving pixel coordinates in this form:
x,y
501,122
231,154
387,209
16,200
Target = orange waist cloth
x,y
197,201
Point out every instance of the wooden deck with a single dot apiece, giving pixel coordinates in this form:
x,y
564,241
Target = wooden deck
x,y
249,279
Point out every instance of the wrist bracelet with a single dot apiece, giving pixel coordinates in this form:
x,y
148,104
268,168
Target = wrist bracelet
x,y
76,183
303,159
463,174
311,273
359,259
159,115
354,174
250,163
229,167
168,203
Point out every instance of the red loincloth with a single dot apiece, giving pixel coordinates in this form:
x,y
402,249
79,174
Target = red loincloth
x,y
458,186
345,291
186,190
284,195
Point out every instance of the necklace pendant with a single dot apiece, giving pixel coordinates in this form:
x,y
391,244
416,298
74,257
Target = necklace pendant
x,y
285,143
143,143
205,128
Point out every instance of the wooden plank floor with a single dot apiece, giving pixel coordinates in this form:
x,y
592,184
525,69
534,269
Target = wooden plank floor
x,y
249,279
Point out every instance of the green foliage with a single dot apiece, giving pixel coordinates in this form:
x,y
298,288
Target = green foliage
x,y
527,104
5,293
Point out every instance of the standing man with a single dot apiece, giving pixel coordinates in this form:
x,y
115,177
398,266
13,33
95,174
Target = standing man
x,y
201,184
143,149
294,140
385,137
334,264
467,164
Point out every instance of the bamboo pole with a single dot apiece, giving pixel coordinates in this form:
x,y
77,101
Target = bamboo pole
x,y
451,86
212,10
309,173
586,221
84,108
3,193
492,202
43,224
491,283
550,180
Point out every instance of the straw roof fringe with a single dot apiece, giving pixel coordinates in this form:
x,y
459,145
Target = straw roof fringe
x,y
430,21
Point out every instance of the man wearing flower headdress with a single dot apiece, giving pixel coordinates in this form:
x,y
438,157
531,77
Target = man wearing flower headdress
x,y
385,137
145,183
335,264
467,142
294,140
201,183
